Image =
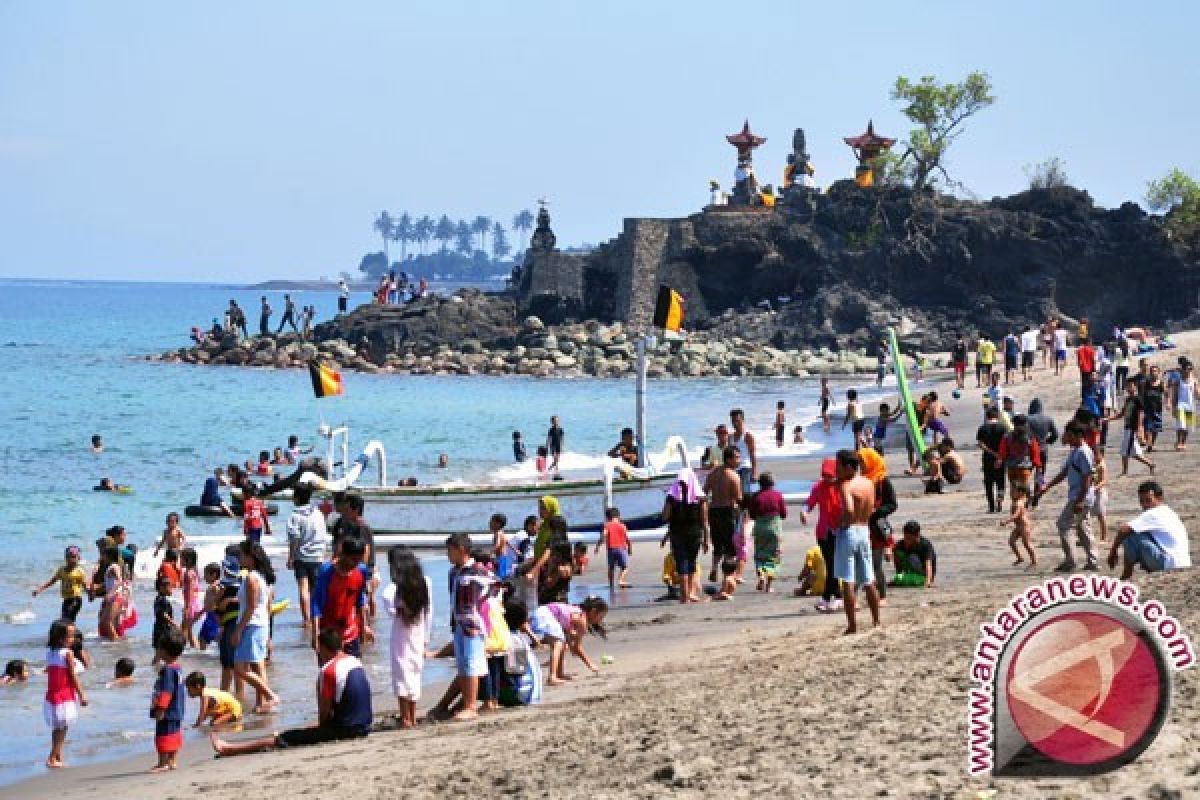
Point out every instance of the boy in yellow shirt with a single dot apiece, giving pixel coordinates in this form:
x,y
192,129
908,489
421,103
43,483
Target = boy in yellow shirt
x,y
73,580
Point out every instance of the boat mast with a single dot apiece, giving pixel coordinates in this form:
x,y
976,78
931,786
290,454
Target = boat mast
x,y
644,342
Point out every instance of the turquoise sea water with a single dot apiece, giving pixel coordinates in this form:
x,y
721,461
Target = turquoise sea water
x,y
69,354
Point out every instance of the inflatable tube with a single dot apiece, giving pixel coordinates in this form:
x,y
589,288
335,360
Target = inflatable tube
x,y
117,490
215,511
910,411
280,606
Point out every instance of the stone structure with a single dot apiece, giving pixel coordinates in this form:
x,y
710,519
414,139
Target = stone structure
x,y
745,184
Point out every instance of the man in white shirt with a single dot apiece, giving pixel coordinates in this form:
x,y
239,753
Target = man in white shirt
x,y
1029,342
307,538
1156,539
1060,350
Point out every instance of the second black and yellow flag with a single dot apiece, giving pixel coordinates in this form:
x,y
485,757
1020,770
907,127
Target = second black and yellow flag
x,y
668,311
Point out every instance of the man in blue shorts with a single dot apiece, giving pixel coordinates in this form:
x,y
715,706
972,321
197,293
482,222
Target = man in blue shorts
x,y
852,549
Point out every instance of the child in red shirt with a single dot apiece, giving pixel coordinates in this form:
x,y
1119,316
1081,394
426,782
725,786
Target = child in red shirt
x,y
615,538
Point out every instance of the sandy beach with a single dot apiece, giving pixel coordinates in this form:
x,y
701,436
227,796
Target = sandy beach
x,y
758,697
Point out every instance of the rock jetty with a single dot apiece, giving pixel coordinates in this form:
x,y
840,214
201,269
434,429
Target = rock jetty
x,y
414,340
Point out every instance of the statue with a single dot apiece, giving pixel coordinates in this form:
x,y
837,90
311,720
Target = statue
x,y
799,171
543,238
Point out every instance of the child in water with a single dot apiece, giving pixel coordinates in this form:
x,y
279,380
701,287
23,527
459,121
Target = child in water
x,y
164,615
173,537
122,674
564,626
216,707
15,671
193,597
73,580
780,423
210,629
854,417
64,695
412,629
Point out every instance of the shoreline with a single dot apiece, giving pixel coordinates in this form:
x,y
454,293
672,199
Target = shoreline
x,y
723,697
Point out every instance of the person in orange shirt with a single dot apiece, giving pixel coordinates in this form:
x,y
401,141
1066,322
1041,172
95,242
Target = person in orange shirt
x,y
615,538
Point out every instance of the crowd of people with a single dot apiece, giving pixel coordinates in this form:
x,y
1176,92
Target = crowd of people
x,y
511,597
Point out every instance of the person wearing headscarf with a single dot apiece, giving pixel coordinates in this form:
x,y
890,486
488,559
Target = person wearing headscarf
x,y
551,553
874,468
686,514
548,509
827,497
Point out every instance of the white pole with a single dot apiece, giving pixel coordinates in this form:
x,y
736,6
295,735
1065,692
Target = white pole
x,y
643,343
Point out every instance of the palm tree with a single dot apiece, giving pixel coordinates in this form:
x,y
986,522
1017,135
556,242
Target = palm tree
x,y
463,241
444,231
500,245
481,225
523,222
423,230
384,224
402,232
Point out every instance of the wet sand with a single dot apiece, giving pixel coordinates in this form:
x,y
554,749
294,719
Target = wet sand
x,y
761,696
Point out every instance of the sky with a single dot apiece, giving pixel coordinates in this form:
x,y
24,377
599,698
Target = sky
x,y
244,141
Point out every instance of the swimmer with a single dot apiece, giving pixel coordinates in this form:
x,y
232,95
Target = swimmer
x,y
15,671
122,674
97,443
107,485
443,461
798,434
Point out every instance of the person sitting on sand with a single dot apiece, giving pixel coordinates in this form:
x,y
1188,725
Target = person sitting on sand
x,y
945,466
914,555
1156,539
813,575
343,705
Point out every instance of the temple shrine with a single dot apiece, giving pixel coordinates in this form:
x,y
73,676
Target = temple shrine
x,y
867,148
745,185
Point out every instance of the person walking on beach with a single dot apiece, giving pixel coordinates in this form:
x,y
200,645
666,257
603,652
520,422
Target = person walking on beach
x,y
686,514
1060,350
289,315
826,401
852,548
555,439
1183,401
743,440
1029,348
306,536
724,489
1133,417
251,637
1012,356
264,317
1077,472
985,357
958,357
826,496
988,437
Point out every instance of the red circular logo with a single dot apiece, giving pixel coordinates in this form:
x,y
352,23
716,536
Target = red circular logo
x,y
1084,688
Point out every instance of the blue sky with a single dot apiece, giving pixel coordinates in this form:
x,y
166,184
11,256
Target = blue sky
x,y
242,141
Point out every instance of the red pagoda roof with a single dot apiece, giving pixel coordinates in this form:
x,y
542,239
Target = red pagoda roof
x,y
869,140
745,139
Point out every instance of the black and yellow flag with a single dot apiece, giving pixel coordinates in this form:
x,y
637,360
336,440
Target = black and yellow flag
x,y
326,382
668,311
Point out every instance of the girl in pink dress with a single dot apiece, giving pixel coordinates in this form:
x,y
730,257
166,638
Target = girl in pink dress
x,y
64,695
193,594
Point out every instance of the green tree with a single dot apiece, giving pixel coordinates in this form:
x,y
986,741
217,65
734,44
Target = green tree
x,y
522,222
444,232
383,225
423,231
402,232
481,226
464,241
939,112
1048,174
1177,194
500,245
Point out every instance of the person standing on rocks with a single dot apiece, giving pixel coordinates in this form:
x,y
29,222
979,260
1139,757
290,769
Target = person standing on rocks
x,y
852,548
237,320
555,438
343,296
289,315
724,489
743,440
264,318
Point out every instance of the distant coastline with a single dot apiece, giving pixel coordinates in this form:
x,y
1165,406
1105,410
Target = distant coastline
x,y
306,286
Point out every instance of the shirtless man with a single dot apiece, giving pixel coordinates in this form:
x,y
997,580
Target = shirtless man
x,y
724,489
934,413
852,551
743,440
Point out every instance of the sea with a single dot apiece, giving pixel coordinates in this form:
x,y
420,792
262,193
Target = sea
x,y
72,365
